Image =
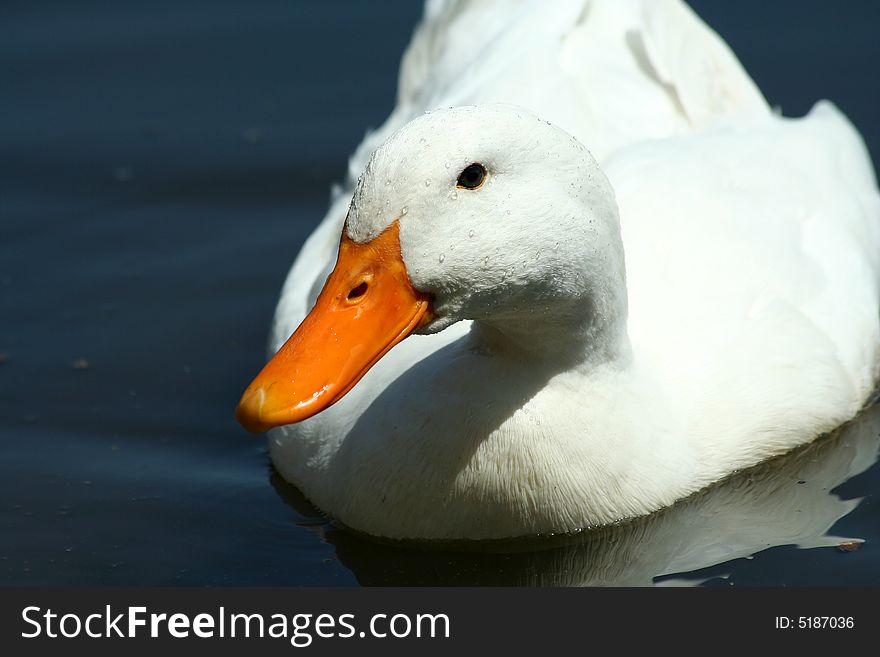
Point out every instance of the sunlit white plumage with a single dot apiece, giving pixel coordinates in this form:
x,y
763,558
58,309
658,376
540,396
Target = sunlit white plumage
x,y
746,324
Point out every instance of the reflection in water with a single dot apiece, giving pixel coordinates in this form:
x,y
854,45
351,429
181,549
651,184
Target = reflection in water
x,y
785,501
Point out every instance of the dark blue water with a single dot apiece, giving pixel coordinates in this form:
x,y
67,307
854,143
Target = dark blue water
x,y
161,164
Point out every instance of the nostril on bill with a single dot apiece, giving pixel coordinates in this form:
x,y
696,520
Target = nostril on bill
x,y
357,292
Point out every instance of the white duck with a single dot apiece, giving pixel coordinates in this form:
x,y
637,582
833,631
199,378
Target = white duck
x,y
556,385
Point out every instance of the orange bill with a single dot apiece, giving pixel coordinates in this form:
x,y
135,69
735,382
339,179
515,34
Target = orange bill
x,y
367,306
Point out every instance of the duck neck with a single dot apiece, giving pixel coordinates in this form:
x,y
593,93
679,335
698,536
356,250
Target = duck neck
x,y
579,333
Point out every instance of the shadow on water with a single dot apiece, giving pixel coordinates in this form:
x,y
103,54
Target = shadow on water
x,y
788,501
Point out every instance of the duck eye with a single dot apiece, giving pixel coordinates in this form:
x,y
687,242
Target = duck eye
x,y
472,177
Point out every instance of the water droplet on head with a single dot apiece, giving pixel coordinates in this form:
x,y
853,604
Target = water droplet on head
x,y
428,183
508,211
422,140
404,210
471,232
556,246
447,165
441,258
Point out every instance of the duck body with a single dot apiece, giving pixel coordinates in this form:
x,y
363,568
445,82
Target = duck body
x,y
607,335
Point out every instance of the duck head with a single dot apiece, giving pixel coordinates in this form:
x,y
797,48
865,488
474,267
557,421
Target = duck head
x,y
484,213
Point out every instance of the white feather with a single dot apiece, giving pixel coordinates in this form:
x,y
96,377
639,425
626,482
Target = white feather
x,y
751,271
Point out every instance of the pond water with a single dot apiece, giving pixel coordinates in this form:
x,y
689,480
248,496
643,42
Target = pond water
x,y
161,164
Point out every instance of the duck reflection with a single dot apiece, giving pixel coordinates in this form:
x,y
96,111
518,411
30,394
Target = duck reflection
x,y
788,500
